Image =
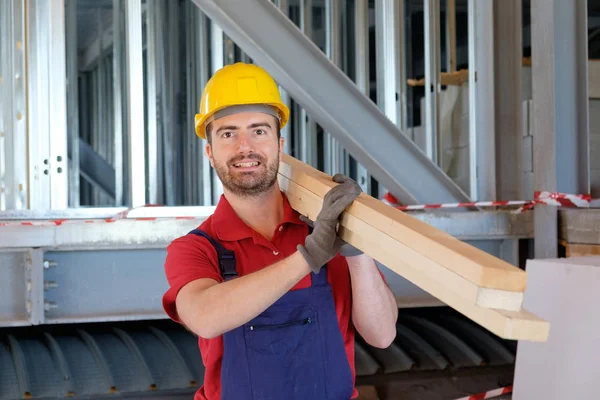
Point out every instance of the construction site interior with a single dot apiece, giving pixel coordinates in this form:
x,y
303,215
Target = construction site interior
x,y
427,104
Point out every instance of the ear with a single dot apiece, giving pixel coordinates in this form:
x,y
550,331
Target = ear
x,y
281,143
208,151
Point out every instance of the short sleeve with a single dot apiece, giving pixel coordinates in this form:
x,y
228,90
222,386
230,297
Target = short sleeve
x,y
188,258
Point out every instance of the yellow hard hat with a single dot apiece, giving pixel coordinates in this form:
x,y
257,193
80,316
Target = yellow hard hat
x,y
235,85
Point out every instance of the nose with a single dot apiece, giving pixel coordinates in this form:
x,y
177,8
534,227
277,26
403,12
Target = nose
x,y
244,142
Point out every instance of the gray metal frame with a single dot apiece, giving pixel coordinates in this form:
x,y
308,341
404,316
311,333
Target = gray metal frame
x,y
331,98
560,109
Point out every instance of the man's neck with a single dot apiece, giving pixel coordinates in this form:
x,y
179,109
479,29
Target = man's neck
x,y
262,213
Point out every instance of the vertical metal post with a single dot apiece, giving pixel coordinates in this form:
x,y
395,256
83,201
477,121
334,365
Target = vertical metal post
x,y
73,102
508,108
99,96
481,101
135,114
285,97
202,60
391,71
38,95
308,127
451,35
346,61
431,13
217,62
361,62
13,132
560,109
117,102
390,59
189,138
47,117
332,149
4,44
151,103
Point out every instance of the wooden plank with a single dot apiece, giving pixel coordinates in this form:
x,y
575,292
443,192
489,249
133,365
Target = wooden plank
x,y
434,277
473,264
580,249
372,241
455,78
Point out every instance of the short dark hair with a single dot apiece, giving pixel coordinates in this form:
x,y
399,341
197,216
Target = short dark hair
x,y
209,132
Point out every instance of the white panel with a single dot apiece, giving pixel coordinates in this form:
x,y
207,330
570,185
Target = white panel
x,y
565,292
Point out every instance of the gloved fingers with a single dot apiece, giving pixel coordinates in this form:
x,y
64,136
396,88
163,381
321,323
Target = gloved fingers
x,y
340,178
335,209
333,195
307,220
339,192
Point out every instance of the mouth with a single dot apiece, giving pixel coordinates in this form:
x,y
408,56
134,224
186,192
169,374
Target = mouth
x,y
246,165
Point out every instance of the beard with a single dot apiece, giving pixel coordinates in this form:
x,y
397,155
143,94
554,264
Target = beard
x,y
251,183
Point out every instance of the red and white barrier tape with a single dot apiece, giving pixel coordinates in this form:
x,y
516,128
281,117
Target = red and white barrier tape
x,y
489,394
550,198
58,222
541,197
121,216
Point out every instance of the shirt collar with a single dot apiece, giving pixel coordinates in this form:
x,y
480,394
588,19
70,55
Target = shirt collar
x,y
228,226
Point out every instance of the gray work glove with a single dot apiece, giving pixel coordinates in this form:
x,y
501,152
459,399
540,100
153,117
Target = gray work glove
x,y
324,243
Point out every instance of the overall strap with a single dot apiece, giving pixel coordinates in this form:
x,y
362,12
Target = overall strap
x,y
226,257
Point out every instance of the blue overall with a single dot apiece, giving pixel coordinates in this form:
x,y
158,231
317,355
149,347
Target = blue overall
x,y
293,350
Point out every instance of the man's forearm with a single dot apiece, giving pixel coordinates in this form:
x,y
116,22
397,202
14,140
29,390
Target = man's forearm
x,y
214,310
374,307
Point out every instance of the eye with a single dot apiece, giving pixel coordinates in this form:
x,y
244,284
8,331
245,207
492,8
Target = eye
x,y
260,132
227,134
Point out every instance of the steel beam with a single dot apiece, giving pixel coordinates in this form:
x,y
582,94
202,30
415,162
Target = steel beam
x,y
151,19
560,109
217,62
96,169
482,164
390,63
72,102
450,35
333,100
508,62
308,127
155,227
433,83
118,35
14,188
136,159
391,70
102,290
47,104
362,78
334,153
508,55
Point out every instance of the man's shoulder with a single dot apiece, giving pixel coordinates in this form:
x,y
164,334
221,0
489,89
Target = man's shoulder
x,y
190,239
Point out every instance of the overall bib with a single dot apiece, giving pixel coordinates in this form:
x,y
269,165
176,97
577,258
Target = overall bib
x,y
293,350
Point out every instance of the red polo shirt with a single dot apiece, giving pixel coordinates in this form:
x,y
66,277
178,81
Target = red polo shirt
x,y
192,257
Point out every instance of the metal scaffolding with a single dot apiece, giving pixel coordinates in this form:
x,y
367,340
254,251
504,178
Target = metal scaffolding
x,y
102,96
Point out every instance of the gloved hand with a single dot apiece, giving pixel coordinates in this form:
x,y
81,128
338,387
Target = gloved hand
x,y
346,249
324,243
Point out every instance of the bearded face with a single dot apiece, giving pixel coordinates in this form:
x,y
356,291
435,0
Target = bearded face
x,y
248,174
245,152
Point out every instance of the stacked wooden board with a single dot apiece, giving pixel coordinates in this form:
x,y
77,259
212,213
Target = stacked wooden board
x,y
484,288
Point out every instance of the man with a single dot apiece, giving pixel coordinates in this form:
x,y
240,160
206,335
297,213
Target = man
x,y
273,297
